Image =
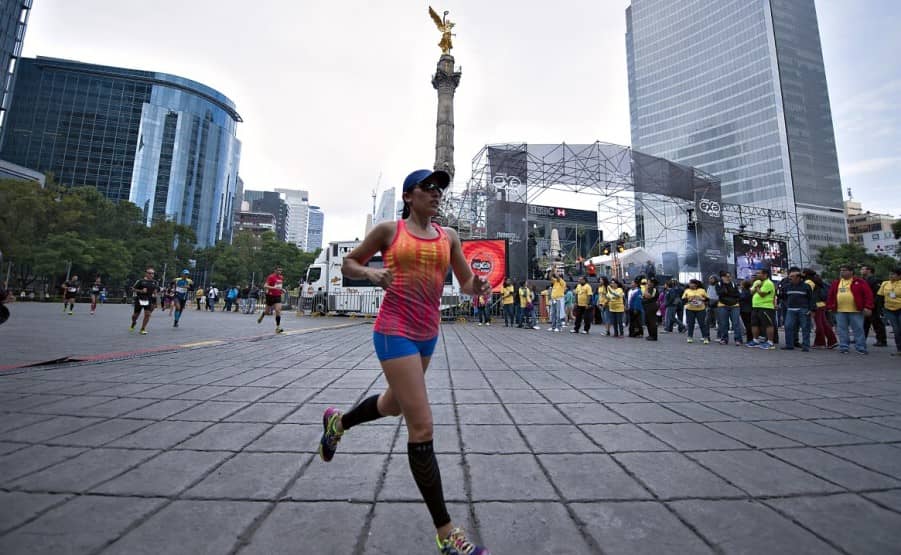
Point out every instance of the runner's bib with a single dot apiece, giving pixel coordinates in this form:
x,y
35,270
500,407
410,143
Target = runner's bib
x,y
73,289
181,289
142,302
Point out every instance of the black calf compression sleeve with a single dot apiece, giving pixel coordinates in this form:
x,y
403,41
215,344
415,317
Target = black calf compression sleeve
x,y
366,411
424,467
278,320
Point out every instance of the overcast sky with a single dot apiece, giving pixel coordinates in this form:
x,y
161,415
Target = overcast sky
x,y
335,93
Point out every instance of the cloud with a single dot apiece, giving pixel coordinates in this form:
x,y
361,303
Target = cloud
x,y
870,165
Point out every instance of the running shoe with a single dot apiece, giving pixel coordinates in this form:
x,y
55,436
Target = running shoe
x,y
706,342
279,330
689,340
175,324
92,313
752,343
767,346
143,332
328,444
132,328
456,544
260,319
71,313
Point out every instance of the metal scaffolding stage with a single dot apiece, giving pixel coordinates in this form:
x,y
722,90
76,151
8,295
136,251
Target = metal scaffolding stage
x,y
649,201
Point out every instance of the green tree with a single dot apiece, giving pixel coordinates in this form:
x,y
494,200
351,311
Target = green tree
x,y
854,255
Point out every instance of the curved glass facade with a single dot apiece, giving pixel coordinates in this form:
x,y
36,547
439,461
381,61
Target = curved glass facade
x,y
163,142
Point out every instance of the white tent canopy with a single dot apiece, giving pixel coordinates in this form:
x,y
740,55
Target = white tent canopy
x,y
637,256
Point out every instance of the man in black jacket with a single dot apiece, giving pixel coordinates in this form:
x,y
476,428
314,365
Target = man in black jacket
x,y
875,319
728,310
799,304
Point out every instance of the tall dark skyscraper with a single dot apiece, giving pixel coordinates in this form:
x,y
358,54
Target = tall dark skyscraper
x,y
163,142
737,88
13,20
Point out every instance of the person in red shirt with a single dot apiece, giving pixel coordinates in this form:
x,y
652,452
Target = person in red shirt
x,y
274,288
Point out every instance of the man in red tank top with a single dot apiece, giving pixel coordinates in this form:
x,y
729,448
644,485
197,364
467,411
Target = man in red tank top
x,y
274,287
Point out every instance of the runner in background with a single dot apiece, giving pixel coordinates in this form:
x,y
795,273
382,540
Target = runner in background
x,y
70,291
145,290
181,288
274,287
96,291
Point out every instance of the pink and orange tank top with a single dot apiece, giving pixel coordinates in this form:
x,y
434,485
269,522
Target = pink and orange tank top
x,y
411,305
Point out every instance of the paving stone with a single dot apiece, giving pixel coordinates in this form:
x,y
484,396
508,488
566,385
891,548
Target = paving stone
x,y
99,434
568,395
797,409
672,475
744,410
12,421
165,391
615,396
262,412
18,507
400,486
30,402
589,413
509,396
286,438
514,528
84,471
225,437
615,438
810,433
657,396
308,413
748,527
536,414
690,436
48,429
890,499
637,528
203,393
398,527
7,448
72,406
33,458
165,475
591,476
697,412
484,414
492,439
834,469
378,437
294,395
701,394
760,474
190,527
359,476
160,435
863,428
847,408
881,458
82,525
116,407
752,435
260,476
475,396
508,477
329,528
210,411
162,409
558,439
645,412
851,522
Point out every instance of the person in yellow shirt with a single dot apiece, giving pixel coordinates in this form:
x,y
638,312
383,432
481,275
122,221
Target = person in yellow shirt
x,y
526,298
851,298
890,290
557,307
696,310
617,306
508,291
583,306
602,289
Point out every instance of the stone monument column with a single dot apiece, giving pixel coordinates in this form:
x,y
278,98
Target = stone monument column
x,y
445,81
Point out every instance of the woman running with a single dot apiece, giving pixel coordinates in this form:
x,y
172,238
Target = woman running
x,y
416,255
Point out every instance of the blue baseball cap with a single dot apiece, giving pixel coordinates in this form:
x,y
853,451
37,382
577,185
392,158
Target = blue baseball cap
x,y
185,272
438,177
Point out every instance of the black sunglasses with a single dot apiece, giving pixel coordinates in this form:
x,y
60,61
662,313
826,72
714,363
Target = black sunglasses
x,y
428,187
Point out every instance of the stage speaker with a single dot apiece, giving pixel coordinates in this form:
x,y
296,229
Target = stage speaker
x,y
671,264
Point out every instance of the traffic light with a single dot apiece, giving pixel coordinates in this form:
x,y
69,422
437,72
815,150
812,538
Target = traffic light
x,y
620,247
606,250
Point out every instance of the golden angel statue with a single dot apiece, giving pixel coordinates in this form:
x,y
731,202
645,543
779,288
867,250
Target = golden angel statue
x,y
444,25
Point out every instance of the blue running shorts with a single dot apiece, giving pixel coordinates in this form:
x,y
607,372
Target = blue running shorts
x,y
388,347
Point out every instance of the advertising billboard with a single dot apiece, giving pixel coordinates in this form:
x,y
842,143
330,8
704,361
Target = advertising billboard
x,y
488,259
754,253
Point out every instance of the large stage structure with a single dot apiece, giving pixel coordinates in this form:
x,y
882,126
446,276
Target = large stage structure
x,y
673,211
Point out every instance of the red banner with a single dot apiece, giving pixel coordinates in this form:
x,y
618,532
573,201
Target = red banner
x,y
488,259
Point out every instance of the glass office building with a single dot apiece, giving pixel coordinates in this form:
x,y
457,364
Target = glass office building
x,y
163,142
314,229
13,20
737,89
